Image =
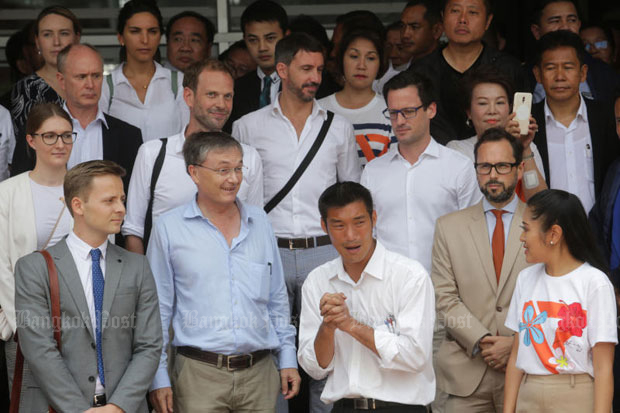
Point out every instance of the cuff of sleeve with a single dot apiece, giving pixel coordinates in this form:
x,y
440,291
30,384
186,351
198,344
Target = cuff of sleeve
x,y
385,344
129,229
161,378
287,359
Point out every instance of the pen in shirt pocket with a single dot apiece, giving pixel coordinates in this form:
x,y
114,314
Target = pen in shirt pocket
x,y
269,264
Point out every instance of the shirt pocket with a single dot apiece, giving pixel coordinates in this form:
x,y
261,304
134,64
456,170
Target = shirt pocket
x,y
258,281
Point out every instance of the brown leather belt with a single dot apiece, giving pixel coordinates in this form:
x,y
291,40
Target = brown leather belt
x,y
231,363
303,243
370,404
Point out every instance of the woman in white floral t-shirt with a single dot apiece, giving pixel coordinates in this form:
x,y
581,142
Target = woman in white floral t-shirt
x,y
563,311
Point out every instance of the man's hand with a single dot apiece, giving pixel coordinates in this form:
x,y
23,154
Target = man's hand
x,y
161,399
108,408
496,350
289,376
512,127
333,309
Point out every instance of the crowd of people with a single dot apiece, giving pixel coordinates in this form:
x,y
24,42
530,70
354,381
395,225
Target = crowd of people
x,y
401,219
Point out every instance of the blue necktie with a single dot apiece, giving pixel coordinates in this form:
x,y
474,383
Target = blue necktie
x,y
265,95
98,285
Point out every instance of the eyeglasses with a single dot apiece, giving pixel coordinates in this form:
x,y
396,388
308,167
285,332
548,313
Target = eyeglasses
x,y
501,168
408,113
224,172
602,44
50,138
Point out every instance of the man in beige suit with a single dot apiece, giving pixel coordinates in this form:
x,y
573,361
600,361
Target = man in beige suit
x,y
474,268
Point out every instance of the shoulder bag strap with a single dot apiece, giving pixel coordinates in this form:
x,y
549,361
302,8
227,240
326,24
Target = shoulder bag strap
x,y
302,166
56,325
148,219
108,79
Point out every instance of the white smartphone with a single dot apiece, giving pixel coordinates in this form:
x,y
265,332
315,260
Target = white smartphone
x,y
522,106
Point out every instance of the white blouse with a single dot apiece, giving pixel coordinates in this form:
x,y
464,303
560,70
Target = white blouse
x,y
160,115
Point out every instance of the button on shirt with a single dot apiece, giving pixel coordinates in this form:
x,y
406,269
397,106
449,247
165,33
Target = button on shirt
x,y
80,251
275,82
224,299
391,285
409,198
174,186
159,116
275,139
509,209
571,165
88,145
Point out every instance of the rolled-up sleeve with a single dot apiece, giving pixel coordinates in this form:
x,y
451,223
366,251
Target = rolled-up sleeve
x,y
409,347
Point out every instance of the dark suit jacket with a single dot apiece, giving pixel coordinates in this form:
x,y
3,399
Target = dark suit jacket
x,y
605,144
247,95
120,144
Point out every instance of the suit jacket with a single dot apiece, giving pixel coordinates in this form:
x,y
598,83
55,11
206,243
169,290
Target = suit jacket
x,y
468,295
131,332
605,144
121,142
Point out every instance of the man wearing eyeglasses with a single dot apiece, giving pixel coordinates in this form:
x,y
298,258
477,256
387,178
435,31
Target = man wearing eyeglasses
x,y
477,257
98,136
220,282
418,180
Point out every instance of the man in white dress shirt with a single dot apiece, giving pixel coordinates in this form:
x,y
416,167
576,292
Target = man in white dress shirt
x,y
208,91
418,180
283,133
367,317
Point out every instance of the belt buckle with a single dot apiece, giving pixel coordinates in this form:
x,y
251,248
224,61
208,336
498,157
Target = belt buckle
x,y
234,357
292,247
99,400
362,404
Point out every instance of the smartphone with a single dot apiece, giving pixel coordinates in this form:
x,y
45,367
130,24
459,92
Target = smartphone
x,y
522,106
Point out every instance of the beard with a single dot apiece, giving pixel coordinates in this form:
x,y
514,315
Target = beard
x,y
299,91
504,195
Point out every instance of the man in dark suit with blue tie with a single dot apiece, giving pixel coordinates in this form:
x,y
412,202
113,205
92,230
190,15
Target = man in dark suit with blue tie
x,y
110,326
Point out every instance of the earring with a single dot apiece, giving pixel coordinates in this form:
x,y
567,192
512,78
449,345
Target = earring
x,y
468,122
39,51
551,242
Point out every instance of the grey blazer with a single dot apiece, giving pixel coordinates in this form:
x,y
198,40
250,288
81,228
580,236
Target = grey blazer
x,y
131,332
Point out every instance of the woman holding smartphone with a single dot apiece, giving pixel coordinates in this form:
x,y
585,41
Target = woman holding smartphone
x,y
563,312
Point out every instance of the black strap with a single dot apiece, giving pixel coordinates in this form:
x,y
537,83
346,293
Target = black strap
x,y
148,219
302,166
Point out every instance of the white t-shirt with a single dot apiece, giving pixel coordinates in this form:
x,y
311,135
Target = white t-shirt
x,y
373,131
560,319
48,201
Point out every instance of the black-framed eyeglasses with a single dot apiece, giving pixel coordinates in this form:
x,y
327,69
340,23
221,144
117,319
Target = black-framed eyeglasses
x,y
408,113
501,168
50,138
224,172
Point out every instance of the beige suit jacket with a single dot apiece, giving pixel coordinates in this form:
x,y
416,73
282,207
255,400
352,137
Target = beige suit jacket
x,y
468,294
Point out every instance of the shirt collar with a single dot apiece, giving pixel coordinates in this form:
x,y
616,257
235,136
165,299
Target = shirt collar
x,y
432,150
261,75
160,73
374,268
179,139
82,249
99,117
510,207
317,110
582,112
192,210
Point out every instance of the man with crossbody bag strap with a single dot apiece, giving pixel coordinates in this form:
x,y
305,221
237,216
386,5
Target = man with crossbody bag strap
x,y
287,135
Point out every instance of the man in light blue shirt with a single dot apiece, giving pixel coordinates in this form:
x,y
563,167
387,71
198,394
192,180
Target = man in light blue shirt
x,y
220,282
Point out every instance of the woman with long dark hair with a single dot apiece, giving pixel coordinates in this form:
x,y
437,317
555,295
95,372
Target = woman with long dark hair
x,y
564,313
140,91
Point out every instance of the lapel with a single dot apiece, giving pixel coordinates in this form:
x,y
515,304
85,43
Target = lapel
x,y
538,112
480,235
513,246
109,143
24,220
67,272
113,267
597,125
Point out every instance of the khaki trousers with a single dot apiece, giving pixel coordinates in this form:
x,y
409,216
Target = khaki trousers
x,y
488,396
555,393
202,387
